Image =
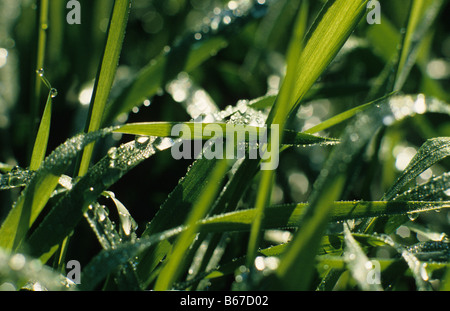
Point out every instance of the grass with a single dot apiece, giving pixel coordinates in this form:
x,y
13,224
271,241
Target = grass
x,y
359,200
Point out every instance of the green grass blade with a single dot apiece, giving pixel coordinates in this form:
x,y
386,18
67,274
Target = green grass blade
x,y
279,112
170,270
421,16
334,25
344,116
110,238
36,195
40,144
196,130
106,74
431,152
40,60
433,190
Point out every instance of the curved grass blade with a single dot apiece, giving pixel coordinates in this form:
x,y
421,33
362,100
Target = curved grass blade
x,y
334,25
39,189
67,212
106,74
431,152
433,190
184,56
278,116
109,238
344,116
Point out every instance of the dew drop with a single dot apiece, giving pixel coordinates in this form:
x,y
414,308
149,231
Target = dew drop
x,y
413,216
17,262
40,72
112,153
354,137
423,272
447,192
53,92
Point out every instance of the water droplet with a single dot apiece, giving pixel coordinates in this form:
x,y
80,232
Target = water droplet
x,y
17,262
447,192
354,137
259,263
142,141
198,36
53,92
40,72
226,20
413,216
112,153
423,271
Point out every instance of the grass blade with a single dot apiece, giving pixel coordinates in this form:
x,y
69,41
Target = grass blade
x,y
196,130
107,71
40,144
334,25
289,216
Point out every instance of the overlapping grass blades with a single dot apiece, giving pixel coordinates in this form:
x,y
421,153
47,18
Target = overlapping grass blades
x,y
69,209
186,244
330,183
39,189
